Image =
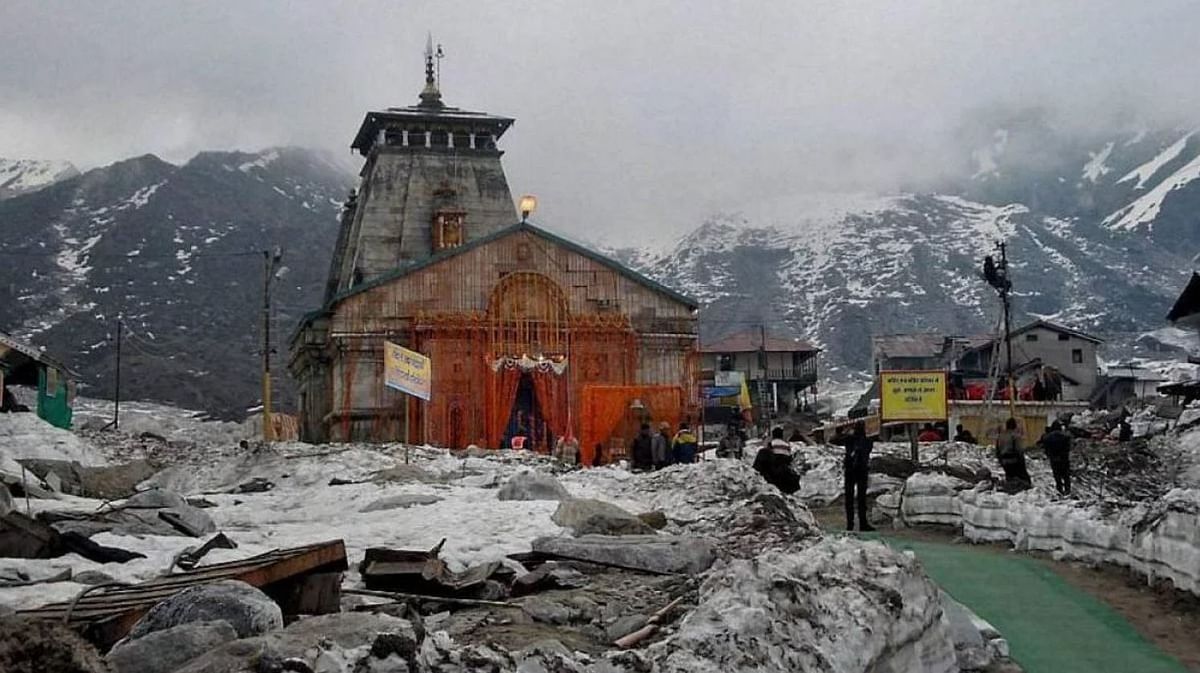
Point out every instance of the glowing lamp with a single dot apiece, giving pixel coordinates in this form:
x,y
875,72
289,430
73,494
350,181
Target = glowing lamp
x,y
528,205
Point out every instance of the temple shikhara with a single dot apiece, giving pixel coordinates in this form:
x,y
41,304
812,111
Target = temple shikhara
x,y
528,332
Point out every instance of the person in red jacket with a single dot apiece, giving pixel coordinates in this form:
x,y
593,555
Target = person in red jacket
x,y
929,434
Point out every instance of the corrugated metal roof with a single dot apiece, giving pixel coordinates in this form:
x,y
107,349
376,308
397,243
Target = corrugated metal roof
x,y
751,341
909,345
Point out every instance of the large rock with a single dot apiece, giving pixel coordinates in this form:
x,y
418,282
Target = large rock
x,y
651,553
587,517
28,646
166,650
403,474
532,486
249,611
6,501
402,501
347,642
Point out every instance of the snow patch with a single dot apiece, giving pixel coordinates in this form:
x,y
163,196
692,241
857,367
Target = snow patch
x,y
1096,167
1146,208
1148,169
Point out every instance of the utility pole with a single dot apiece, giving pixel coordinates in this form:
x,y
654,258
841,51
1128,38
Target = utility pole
x,y
116,423
1006,300
270,265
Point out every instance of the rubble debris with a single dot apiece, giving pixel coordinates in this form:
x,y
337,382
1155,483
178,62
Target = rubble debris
x,y
23,537
166,650
403,474
402,501
780,611
529,485
448,600
106,616
93,577
255,485
547,611
190,557
148,513
155,498
245,608
586,517
28,646
649,628
658,554
423,573
351,641
548,576
107,482
656,520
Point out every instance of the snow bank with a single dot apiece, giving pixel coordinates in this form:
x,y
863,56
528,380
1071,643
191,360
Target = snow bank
x,y
1160,540
785,611
24,435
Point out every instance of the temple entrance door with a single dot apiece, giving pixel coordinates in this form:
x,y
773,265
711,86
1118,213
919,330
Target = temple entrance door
x,y
525,419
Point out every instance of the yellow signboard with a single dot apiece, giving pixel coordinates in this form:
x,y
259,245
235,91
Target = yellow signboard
x,y
912,395
407,371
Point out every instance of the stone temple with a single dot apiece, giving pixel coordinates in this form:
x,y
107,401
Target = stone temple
x,y
529,333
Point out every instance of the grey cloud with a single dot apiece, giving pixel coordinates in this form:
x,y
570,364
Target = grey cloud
x,y
631,115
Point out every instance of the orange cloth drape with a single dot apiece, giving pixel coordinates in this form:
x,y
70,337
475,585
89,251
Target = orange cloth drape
x,y
501,391
604,406
551,391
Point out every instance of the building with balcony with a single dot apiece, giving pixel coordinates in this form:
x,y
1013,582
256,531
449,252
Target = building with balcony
x,y
780,372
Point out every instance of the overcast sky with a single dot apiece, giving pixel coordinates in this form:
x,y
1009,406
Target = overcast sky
x,y
631,116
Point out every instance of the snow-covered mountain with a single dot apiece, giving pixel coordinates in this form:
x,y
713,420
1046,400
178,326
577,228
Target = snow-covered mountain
x,y
1103,234
19,176
176,252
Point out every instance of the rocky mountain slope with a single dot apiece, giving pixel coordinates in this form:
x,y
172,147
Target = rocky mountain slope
x,y
18,176
1103,233
175,253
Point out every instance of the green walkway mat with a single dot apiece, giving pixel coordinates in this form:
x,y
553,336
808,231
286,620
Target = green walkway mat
x,y
1051,626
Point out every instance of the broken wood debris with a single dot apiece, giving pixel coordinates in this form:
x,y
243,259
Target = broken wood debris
x,y
190,558
451,600
106,617
651,627
424,573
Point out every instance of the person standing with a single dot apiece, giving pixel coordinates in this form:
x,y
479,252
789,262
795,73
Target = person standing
x,y
684,446
963,435
730,445
660,447
856,468
1057,445
643,449
1125,432
1010,452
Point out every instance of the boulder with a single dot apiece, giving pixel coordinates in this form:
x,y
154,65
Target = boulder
x,y
532,486
970,648
6,501
155,498
92,577
29,646
666,554
166,650
548,576
61,475
347,641
586,517
249,611
403,501
656,520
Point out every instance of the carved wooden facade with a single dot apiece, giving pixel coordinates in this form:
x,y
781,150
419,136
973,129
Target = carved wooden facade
x,y
522,307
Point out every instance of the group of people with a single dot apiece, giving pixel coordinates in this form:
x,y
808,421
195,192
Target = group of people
x,y
656,450
1055,442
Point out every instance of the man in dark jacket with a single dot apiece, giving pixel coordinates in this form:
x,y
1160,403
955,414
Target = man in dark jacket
x,y
1010,452
643,449
1057,445
855,471
774,462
